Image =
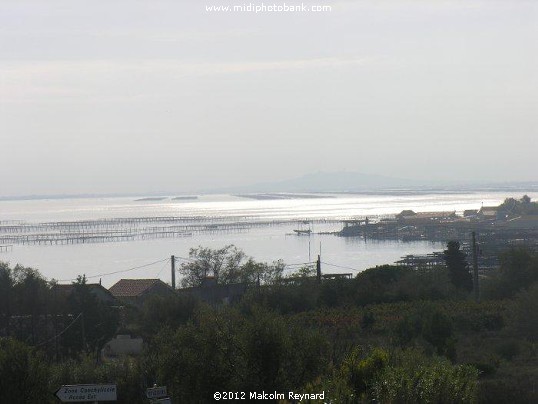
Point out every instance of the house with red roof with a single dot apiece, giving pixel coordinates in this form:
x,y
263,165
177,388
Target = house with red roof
x,y
136,291
63,292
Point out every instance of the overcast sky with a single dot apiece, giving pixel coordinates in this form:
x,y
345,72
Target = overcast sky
x,y
148,96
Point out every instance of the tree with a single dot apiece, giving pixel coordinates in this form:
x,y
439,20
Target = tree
x,y
523,314
413,378
523,206
360,369
97,323
23,373
6,296
226,350
519,268
227,265
429,324
32,295
456,263
24,293
518,271
525,200
223,264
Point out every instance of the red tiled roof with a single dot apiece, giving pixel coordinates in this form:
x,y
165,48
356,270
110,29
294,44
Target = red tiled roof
x,y
133,287
101,293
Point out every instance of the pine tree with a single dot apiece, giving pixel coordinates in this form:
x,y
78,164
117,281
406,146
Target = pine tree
x,y
457,266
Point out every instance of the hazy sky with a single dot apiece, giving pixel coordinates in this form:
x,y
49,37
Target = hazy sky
x,y
136,96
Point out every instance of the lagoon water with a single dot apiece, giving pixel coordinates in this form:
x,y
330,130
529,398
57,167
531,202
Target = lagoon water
x,y
340,255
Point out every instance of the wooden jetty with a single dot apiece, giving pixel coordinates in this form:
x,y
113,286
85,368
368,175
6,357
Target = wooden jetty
x,y
422,261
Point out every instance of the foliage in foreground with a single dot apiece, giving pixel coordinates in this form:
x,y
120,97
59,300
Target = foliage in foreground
x,y
406,376
23,373
391,334
223,350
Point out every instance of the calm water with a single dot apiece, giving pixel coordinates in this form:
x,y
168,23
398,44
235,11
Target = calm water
x,y
264,244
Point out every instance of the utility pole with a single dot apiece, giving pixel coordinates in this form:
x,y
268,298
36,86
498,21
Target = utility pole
x,y
83,331
173,268
318,269
475,269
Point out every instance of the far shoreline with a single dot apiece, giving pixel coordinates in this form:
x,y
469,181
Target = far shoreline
x,y
520,187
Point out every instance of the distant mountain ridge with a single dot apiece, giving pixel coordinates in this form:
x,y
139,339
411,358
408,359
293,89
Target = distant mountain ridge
x,y
319,182
354,182
327,182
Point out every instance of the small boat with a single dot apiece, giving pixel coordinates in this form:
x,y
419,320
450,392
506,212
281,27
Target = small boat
x,y
304,229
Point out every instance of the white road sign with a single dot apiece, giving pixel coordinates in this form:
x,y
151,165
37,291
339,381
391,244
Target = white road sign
x,y
79,393
156,392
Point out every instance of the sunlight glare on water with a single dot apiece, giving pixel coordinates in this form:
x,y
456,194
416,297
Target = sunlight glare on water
x,y
267,244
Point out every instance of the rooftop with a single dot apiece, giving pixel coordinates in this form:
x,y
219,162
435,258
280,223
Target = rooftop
x,y
133,287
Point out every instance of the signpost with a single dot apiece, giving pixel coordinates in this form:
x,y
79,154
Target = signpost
x,y
157,395
80,393
156,392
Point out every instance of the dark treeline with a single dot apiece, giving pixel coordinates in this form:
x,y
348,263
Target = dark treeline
x,y
391,335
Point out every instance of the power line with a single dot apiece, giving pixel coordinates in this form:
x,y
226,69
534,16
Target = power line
x,y
287,265
185,259
340,266
164,266
116,272
298,264
64,330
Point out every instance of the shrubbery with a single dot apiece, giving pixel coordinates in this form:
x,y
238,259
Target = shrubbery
x,y
222,350
411,379
23,373
518,270
390,335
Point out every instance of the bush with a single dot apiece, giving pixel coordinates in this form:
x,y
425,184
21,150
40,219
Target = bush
x,y
159,311
378,285
223,350
518,271
360,370
284,299
401,377
127,374
430,324
508,349
523,316
435,382
23,373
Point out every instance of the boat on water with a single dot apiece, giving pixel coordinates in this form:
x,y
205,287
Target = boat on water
x,y
305,228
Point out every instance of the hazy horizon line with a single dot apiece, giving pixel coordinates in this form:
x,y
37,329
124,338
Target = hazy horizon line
x,y
518,186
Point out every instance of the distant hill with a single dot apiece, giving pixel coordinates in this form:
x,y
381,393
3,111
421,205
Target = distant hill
x,y
346,181
328,182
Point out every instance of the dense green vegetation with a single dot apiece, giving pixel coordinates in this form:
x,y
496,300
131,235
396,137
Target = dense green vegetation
x,y
457,266
227,265
390,335
523,206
